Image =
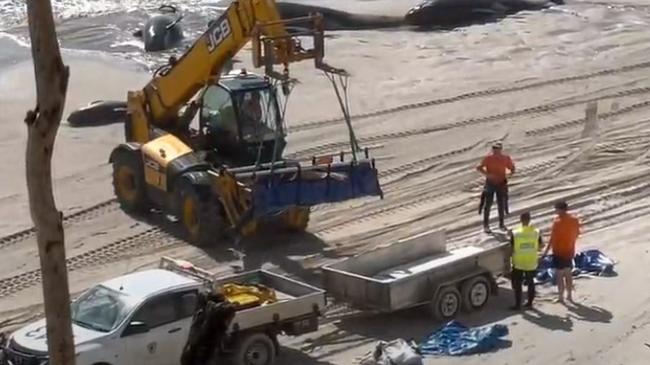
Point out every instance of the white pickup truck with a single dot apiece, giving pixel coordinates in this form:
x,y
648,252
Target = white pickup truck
x,y
144,318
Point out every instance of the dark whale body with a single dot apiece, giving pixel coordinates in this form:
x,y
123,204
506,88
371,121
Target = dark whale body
x,y
101,112
455,13
337,19
162,31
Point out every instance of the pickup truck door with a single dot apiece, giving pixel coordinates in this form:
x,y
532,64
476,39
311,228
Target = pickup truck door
x,y
186,302
167,327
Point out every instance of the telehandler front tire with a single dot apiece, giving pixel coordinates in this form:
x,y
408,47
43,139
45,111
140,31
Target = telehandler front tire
x,y
128,183
200,213
296,219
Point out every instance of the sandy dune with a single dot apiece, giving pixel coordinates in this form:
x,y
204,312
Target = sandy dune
x,y
428,106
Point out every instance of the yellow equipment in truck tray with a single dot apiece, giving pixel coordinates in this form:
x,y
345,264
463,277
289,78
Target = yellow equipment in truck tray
x,y
248,296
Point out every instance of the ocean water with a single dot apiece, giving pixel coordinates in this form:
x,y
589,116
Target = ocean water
x,y
100,26
107,26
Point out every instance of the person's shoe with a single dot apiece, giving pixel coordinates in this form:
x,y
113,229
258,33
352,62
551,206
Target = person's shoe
x,y
528,305
503,227
487,229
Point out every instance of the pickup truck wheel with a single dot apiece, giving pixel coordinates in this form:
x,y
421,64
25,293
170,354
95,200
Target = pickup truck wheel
x,y
255,349
200,213
446,304
128,182
475,293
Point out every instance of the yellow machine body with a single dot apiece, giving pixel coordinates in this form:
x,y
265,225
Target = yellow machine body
x,y
208,185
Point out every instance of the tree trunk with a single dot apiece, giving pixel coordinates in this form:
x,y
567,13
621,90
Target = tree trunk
x,y
42,125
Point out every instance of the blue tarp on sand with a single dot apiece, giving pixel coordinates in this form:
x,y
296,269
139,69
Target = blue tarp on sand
x,y
455,339
586,262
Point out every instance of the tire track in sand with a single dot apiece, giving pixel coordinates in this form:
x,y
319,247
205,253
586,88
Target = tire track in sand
x,y
426,198
157,237
150,239
538,109
110,205
471,95
82,215
578,121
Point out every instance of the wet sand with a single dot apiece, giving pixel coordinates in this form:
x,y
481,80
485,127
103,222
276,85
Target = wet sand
x,y
525,81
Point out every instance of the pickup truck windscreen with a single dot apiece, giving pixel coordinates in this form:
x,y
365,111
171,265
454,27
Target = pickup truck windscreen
x,y
100,309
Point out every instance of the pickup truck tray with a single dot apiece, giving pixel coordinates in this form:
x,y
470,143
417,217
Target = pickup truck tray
x,y
296,312
295,300
408,273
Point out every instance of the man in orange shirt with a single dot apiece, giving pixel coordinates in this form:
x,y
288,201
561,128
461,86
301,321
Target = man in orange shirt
x,y
564,233
495,167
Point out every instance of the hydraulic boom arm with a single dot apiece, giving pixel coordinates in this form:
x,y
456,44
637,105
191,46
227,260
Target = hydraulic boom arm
x,y
176,83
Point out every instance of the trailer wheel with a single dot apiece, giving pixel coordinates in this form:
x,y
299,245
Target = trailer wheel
x,y
255,349
475,293
446,304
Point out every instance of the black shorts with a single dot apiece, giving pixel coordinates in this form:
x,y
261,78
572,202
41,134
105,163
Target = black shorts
x,y
560,263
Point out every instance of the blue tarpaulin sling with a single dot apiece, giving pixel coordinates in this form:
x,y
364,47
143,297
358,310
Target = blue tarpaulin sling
x,y
456,339
277,190
333,183
591,261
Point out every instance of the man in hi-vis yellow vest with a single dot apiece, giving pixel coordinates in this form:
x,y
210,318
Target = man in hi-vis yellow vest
x,y
526,242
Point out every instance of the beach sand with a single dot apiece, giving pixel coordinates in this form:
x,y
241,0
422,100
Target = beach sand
x,y
540,79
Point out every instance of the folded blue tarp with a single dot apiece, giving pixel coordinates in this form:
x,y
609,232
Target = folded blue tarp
x,y
456,339
586,262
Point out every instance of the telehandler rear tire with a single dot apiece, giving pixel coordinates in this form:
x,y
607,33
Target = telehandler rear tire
x,y
200,213
128,183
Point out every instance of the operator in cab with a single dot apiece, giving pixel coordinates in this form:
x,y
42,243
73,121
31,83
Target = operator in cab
x,y
250,113
253,113
251,109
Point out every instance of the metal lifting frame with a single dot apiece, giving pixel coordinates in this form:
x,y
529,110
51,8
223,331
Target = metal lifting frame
x,y
284,49
345,106
268,51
